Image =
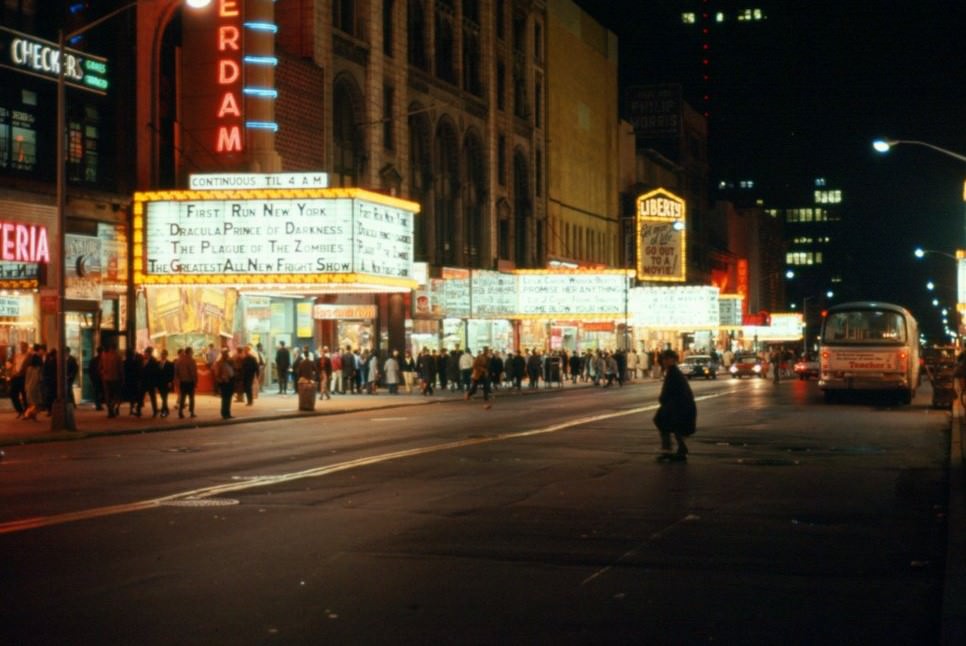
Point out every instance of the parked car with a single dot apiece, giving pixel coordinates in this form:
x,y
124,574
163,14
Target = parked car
x,y
699,365
747,365
807,367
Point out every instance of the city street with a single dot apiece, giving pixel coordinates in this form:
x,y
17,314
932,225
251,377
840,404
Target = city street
x,y
544,519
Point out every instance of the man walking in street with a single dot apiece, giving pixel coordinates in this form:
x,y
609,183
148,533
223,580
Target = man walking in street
x,y
166,382
677,414
112,373
18,391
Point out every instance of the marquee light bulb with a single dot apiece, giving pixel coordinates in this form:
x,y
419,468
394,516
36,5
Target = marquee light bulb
x,y
197,4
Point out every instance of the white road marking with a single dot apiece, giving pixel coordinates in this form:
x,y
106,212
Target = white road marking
x,y
37,522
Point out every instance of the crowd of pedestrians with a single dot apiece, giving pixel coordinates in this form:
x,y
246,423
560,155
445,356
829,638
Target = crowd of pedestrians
x,y
33,379
134,382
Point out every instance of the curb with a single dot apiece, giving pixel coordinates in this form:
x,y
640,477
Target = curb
x,y
954,587
70,436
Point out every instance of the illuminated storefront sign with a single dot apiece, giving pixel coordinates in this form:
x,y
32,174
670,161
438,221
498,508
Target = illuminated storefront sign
x,y
729,306
212,97
38,57
23,242
273,237
249,181
782,327
661,237
597,293
329,312
83,265
691,307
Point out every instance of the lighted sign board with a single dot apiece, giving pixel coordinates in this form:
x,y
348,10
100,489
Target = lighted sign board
x,y
960,280
39,57
279,236
687,307
248,181
493,293
214,80
20,242
330,312
784,327
729,306
597,293
83,265
661,237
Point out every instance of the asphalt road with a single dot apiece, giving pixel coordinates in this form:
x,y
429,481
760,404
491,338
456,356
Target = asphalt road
x,y
545,519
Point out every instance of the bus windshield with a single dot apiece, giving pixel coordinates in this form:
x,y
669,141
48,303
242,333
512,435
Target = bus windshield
x,y
866,326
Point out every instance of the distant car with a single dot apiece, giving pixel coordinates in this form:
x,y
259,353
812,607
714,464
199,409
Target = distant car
x,y
747,365
807,367
699,365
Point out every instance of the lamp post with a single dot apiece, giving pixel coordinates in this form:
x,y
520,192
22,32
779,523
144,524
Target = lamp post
x,y
884,145
62,411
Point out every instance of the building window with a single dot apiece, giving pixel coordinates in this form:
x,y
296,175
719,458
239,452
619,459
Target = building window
x,y
388,7
415,29
538,102
445,53
538,172
388,118
344,16
537,42
828,197
18,140
500,18
471,11
471,60
519,32
501,86
689,18
501,159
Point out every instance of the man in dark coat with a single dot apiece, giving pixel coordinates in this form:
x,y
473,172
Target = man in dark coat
x,y
151,379
283,361
348,370
453,368
249,370
427,371
678,414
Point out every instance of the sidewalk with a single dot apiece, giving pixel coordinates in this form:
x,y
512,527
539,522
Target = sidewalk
x,y
268,406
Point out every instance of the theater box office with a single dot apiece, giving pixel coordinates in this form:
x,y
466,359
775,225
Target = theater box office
x,y
242,267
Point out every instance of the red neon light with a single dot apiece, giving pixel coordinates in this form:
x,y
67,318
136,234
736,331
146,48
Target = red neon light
x,y
23,242
228,43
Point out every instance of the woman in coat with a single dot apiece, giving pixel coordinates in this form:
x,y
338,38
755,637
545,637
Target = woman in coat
x,y
391,369
33,385
678,414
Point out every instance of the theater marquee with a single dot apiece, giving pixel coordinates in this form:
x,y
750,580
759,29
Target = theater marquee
x,y
273,237
661,237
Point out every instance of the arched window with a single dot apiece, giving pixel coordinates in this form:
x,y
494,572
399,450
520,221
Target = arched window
x,y
420,177
474,197
348,150
445,190
522,210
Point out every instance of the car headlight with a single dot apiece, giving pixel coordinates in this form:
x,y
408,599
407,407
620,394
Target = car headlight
x,y
733,369
757,368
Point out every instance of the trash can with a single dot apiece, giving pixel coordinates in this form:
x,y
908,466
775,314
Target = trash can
x,y
306,394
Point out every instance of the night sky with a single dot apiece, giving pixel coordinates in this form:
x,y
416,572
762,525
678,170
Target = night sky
x,y
804,93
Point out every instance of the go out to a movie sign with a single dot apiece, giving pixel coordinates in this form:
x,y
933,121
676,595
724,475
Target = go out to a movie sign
x,y
661,237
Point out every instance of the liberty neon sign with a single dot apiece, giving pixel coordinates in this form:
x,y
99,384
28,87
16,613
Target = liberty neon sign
x,y
229,47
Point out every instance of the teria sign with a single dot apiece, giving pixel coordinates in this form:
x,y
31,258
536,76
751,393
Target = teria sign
x,y
661,237
273,236
23,242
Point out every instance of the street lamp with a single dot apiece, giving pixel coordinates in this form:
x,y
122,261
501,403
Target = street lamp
x,y
884,145
61,410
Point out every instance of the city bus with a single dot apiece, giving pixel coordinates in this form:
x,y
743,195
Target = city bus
x,y
869,346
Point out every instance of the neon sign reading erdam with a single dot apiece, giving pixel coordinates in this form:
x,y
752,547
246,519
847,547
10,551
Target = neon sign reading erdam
x,y
229,137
